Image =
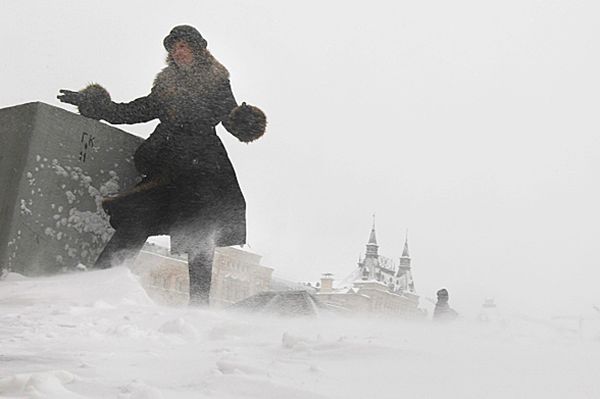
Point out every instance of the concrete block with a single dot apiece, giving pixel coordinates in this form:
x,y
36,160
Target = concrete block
x,y
55,167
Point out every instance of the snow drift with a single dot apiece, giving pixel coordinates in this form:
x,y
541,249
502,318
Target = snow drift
x,y
97,335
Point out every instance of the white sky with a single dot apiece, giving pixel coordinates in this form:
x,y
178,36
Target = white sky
x,y
473,124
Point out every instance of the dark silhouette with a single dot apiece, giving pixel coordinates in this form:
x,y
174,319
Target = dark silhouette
x,y
442,310
189,189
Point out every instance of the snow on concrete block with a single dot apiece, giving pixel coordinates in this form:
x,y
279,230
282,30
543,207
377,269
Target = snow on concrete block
x,y
55,167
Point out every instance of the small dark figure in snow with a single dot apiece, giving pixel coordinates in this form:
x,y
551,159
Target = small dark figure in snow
x,y
442,310
190,189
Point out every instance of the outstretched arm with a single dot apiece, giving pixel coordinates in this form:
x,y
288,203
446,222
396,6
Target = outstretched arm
x,y
95,102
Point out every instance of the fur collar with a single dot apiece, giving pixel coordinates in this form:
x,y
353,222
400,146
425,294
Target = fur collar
x,y
205,71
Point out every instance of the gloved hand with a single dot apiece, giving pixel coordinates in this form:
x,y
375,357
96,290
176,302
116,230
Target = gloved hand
x,y
246,122
93,101
71,97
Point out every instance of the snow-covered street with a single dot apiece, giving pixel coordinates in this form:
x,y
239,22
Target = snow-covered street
x,y
97,335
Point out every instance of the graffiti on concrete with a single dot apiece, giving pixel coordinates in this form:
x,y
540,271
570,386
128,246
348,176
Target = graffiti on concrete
x,y
87,143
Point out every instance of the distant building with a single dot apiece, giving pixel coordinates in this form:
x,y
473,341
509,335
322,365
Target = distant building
x,y
376,286
372,266
163,276
282,284
237,274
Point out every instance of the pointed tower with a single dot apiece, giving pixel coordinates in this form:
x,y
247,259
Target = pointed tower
x,y
404,275
372,246
405,258
370,263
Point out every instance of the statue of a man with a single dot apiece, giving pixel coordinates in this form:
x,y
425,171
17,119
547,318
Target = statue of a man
x,y
189,190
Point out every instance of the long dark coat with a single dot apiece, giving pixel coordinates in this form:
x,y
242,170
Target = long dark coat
x,y
197,196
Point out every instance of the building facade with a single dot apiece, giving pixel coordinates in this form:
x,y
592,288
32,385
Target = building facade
x,y
237,274
377,286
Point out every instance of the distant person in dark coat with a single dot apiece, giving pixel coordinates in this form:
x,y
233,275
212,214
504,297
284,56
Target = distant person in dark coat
x,y
442,310
189,188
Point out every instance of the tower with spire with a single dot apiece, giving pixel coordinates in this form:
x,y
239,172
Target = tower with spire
x,y
404,277
370,263
378,285
397,277
405,258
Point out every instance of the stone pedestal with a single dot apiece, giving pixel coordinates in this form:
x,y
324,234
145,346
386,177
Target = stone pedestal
x,y
55,167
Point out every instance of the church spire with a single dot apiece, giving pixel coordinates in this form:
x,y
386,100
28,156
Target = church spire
x,y
371,261
373,237
405,253
405,258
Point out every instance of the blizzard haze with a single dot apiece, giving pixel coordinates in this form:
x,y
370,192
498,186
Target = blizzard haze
x,y
98,335
471,124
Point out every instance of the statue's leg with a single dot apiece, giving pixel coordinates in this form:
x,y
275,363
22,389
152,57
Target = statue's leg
x,y
200,265
135,215
124,244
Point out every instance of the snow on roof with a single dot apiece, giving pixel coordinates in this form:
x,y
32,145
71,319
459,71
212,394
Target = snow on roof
x,y
349,279
172,258
370,281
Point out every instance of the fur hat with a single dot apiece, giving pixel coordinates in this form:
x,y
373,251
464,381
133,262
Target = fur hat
x,y
188,34
247,123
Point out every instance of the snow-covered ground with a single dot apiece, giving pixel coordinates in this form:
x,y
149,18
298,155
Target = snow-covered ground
x,y
97,335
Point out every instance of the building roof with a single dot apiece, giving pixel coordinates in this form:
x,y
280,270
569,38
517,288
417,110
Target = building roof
x,y
288,303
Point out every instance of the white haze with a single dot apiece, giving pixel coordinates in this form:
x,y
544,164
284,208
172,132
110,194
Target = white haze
x,y
471,124
97,335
